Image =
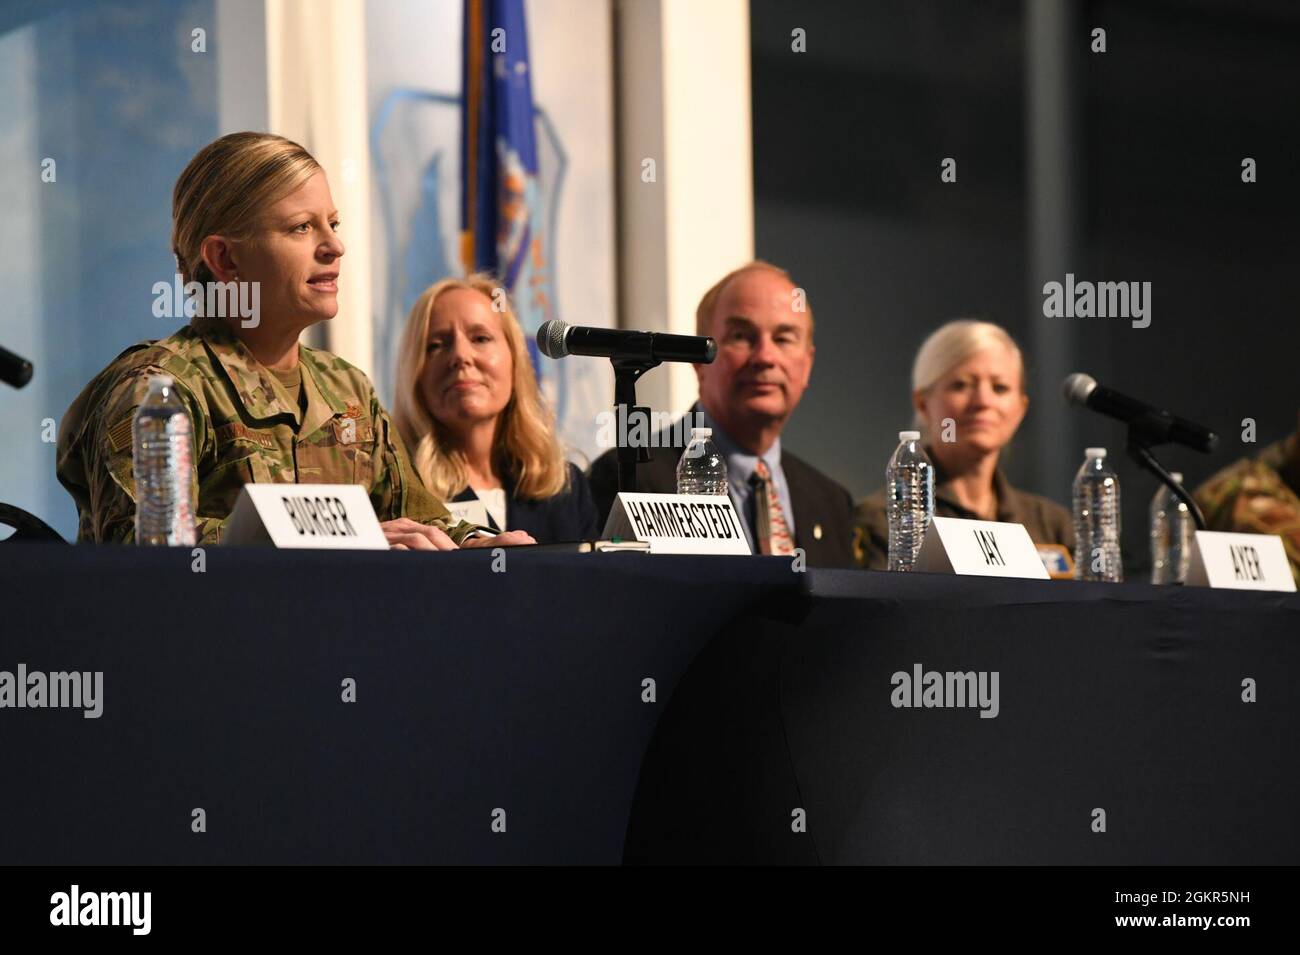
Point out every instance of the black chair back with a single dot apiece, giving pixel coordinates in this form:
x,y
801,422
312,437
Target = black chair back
x,y
27,527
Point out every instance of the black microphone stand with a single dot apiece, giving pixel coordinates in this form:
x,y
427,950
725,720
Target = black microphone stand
x,y
1145,432
636,356
626,372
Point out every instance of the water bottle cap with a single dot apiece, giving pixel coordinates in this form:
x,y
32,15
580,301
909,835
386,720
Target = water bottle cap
x,y
701,432
161,381
1095,453
909,436
1177,476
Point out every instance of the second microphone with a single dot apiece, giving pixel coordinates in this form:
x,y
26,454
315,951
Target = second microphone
x,y
557,339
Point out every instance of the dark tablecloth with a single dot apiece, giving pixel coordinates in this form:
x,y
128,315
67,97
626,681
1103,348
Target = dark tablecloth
x,y
1119,706
523,691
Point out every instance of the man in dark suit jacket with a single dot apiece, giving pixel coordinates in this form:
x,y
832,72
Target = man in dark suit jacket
x,y
764,330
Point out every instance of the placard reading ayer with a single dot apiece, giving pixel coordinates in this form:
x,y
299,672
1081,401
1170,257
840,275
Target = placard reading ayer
x,y
1239,562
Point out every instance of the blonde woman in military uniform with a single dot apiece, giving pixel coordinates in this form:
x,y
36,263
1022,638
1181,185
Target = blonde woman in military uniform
x,y
252,208
972,375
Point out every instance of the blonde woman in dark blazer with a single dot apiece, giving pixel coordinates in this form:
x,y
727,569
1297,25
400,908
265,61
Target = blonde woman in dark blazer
x,y
470,410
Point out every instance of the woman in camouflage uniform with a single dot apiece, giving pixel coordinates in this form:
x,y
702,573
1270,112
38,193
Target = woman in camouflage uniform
x,y
252,212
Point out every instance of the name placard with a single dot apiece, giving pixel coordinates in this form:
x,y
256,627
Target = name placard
x,y
678,523
331,516
980,549
1239,562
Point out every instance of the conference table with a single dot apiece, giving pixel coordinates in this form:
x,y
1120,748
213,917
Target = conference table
x,y
537,706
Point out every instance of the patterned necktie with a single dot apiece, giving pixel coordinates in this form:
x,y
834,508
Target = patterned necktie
x,y
772,531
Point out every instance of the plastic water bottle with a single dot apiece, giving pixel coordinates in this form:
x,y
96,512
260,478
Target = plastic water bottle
x,y
1172,528
1096,520
163,460
909,483
701,469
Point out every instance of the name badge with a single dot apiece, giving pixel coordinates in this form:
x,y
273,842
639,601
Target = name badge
x,y
1058,561
980,549
328,516
678,523
473,511
1239,562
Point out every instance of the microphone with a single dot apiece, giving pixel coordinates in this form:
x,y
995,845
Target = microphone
x,y
1156,423
15,370
557,339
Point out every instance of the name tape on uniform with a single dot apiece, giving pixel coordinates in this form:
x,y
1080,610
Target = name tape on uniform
x,y
678,523
329,516
1239,562
980,549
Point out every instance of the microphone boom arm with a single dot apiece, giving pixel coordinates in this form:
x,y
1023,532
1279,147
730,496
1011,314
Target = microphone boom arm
x,y
1142,434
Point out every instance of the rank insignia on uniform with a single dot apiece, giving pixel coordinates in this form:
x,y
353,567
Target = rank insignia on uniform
x,y
120,435
353,411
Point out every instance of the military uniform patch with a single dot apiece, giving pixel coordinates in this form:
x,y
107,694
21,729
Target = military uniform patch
x,y
120,434
352,431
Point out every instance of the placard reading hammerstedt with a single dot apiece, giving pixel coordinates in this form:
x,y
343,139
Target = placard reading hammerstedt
x,y
678,523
